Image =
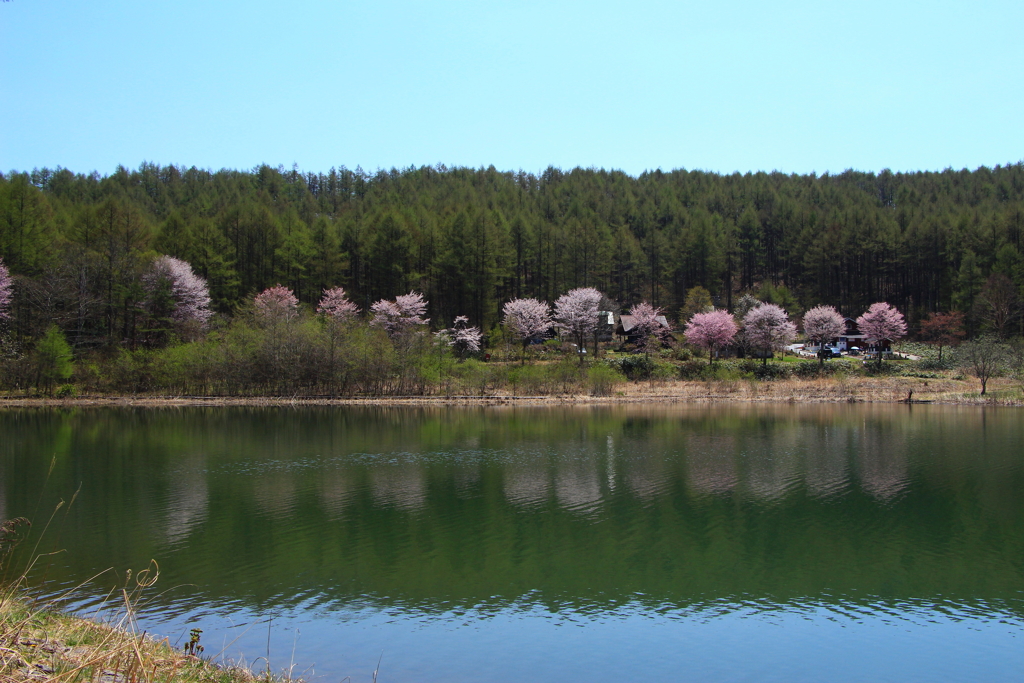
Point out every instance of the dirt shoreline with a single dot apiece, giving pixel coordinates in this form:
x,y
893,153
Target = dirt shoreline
x,y
891,390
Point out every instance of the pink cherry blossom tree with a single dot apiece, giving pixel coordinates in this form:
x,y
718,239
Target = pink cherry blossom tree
x,y
6,293
649,329
821,324
189,294
767,327
526,320
882,322
576,315
335,306
462,338
401,315
276,304
711,331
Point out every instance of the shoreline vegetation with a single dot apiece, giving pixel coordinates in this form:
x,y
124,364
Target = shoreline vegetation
x,y
46,644
945,390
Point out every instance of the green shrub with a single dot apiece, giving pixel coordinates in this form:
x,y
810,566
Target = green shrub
x,y
66,391
602,379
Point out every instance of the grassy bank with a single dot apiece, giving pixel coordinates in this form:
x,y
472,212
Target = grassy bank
x,y
41,643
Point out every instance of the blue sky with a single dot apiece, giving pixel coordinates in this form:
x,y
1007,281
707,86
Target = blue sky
x,y
723,86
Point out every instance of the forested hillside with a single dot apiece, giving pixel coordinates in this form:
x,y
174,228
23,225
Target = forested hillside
x,y
471,239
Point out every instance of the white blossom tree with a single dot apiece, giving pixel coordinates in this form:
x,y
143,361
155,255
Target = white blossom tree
x,y
882,322
401,315
767,328
821,324
174,291
526,320
462,338
711,331
6,291
576,315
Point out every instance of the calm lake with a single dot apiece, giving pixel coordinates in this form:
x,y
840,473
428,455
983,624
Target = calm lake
x,y
688,543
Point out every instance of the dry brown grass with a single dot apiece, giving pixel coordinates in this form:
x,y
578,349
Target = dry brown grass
x,y
41,643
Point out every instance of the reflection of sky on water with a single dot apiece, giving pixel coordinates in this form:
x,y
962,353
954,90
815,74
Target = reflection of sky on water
x,y
725,640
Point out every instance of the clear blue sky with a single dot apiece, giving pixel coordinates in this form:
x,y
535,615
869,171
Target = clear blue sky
x,y
718,85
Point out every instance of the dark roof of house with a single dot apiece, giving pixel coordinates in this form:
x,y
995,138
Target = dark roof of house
x,y
626,322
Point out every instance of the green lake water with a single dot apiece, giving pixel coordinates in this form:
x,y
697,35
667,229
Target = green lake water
x,y
690,543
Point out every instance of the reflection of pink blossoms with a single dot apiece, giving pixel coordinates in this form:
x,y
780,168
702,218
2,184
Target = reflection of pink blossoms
x,y
6,285
276,303
336,306
711,331
400,315
189,291
767,328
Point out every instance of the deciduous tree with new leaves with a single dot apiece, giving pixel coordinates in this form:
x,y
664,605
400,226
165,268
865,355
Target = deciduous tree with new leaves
x,y
882,322
6,293
768,329
401,315
576,315
821,324
275,304
336,307
711,331
526,320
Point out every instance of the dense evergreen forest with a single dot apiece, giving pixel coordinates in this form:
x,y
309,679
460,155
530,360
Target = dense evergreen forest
x,y
471,239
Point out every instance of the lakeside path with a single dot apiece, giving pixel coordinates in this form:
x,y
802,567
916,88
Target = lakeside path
x,y
947,391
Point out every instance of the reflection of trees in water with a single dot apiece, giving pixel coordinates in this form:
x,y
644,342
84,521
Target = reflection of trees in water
x,y
710,464
526,486
644,469
577,483
187,499
882,462
826,461
466,478
773,469
275,493
402,486
334,489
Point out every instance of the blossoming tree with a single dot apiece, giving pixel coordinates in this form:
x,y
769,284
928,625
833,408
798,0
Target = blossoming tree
x,y
649,329
188,293
711,331
768,329
821,324
335,306
882,322
401,315
526,320
576,315
277,303
462,338
6,287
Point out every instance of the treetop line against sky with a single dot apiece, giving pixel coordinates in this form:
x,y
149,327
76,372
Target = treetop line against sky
x,y
720,86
